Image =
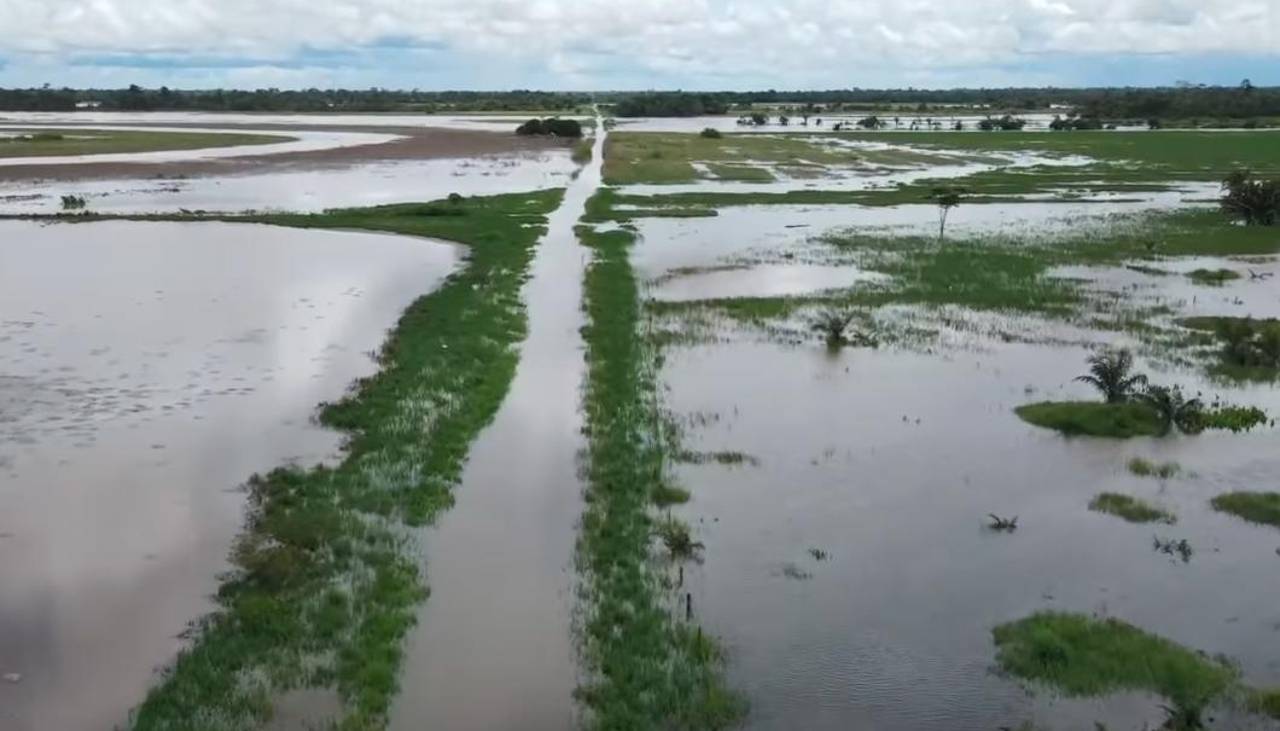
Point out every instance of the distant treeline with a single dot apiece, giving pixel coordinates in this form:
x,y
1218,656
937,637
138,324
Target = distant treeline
x,y
671,104
1242,101
136,98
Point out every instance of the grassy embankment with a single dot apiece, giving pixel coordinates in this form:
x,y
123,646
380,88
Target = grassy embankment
x,y
55,142
325,581
649,669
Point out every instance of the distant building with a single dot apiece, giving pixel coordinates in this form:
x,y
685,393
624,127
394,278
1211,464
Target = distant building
x,y
88,105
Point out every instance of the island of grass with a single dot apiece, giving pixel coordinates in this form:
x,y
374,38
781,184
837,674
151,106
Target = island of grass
x,y
1256,507
1212,277
1080,655
1249,348
1095,419
60,142
1266,702
1146,468
1130,508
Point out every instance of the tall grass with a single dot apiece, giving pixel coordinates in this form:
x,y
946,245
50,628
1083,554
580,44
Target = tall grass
x,y
647,668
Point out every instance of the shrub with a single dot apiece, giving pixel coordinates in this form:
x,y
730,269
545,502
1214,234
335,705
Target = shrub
x,y
711,133
1255,202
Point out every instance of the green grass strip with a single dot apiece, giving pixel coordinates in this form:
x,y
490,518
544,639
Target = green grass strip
x,y
326,583
648,669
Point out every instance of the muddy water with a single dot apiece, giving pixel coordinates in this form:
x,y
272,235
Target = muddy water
x,y
301,189
145,371
300,141
493,648
890,462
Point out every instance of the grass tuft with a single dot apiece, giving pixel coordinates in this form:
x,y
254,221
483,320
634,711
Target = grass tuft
x,y
1130,508
1255,507
1144,468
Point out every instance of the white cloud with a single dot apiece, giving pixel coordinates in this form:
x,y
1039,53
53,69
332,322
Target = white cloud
x,y
741,37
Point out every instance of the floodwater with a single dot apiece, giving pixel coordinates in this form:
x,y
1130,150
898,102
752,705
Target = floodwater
x,y
889,462
300,141
302,189
493,648
849,571
146,370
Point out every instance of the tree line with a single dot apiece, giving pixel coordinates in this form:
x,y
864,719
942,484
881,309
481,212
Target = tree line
x,y
1242,101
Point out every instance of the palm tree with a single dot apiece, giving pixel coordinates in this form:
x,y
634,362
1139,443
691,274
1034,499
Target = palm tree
x,y
833,325
1109,373
1174,409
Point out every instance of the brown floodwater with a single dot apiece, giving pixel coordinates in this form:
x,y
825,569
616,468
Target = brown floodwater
x,y
889,461
850,572
494,648
146,370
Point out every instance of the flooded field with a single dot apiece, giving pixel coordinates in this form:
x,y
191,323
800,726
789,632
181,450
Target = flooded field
x,y
146,370
699,431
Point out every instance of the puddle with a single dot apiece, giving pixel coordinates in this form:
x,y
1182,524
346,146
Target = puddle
x,y
301,189
765,280
1253,294
493,647
146,370
889,462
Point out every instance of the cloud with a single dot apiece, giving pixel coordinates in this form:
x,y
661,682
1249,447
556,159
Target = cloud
x,y
800,42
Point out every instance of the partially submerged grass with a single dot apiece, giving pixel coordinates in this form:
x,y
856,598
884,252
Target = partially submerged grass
x,y
325,582
1092,418
1129,508
1256,507
1145,468
1266,702
51,143
647,668
1212,277
1080,655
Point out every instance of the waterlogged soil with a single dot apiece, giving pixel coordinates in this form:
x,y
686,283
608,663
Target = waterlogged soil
x,y
493,647
317,146
301,188
145,371
888,462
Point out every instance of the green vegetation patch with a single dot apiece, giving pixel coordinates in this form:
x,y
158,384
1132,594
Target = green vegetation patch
x,y
1083,656
325,584
1130,508
1255,507
1212,277
648,668
1266,702
669,157
1249,349
52,143
1146,468
1091,418
1169,155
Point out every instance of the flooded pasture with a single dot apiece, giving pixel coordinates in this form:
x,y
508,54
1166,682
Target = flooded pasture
x,y
146,370
302,189
849,567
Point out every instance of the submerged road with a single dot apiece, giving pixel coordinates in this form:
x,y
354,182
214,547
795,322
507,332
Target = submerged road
x,y
494,648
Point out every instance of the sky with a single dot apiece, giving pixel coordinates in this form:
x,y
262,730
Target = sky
x,y
637,44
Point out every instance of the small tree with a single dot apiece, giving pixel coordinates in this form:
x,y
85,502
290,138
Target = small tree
x,y
945,199
1256,202
1109,372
